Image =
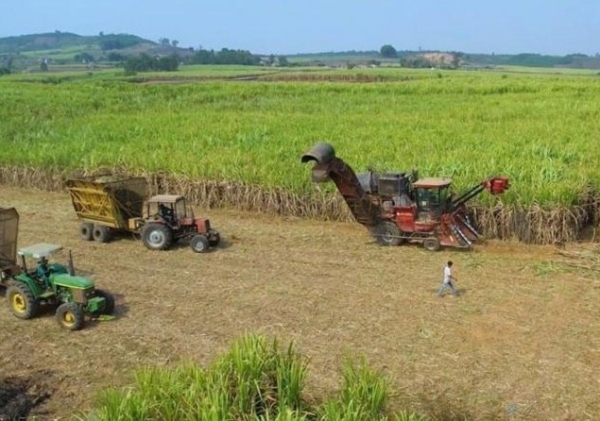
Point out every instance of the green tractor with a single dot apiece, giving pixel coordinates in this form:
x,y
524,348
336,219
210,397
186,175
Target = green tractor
x,y
45,283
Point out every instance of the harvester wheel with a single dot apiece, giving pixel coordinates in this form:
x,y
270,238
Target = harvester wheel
x,y
432,244
86,231
109,299
101,233
157,236
216,238
70,316
199,243
387,233
21,301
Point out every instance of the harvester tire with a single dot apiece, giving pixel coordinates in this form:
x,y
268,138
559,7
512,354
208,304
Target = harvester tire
x,y
86,231
21,301
110,302
101,233
199,243
432,244
216,238
70,316
387,233
157,236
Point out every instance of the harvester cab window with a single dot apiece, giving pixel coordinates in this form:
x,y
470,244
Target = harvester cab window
x,y
424,199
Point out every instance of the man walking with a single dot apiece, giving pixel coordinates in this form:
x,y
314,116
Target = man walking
x,y
448,281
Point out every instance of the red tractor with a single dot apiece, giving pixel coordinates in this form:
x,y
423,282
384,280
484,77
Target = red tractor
x,y
400,207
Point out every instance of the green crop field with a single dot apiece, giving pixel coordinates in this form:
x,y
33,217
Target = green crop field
x,y
538,129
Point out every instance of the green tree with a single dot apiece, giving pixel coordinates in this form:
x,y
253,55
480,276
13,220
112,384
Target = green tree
x,y
388,51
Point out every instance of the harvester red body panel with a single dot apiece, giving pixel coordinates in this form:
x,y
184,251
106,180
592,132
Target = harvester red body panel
x,y
397,207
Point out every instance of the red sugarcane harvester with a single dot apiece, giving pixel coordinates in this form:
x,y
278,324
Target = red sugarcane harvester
x,y
400,207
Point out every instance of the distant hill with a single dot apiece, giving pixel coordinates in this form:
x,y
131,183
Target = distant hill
x,y
64,49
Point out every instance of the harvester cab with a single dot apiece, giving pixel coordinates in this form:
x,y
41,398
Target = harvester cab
x,y
433,197
399,206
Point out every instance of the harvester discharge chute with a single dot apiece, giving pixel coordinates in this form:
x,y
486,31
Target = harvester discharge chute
x,y
329,167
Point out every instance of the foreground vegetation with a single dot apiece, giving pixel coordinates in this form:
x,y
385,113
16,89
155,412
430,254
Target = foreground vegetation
x,y
536,129
254,380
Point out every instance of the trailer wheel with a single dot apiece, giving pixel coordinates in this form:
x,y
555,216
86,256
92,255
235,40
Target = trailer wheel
x,y
101,233
432,244
157,236
21,301
199,243
86,231
387,233
70,316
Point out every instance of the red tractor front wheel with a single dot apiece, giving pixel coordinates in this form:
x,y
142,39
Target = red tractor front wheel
x,y
199,243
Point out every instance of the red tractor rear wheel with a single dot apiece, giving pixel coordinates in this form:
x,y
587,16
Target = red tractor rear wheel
x,y
157,236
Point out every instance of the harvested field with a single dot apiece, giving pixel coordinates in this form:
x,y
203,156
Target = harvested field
x,y
521,343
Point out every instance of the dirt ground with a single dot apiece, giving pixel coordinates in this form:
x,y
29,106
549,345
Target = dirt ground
x,y
521,342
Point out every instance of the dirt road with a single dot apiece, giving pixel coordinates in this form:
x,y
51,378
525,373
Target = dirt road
x,y
523,341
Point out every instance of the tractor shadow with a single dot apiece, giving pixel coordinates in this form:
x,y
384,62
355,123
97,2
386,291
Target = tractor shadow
x,y
117,237
224,243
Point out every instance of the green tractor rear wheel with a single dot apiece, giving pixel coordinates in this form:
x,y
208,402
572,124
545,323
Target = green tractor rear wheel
x,y
21,301
70,316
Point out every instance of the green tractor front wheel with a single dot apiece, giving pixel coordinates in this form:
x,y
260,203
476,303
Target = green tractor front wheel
x,y
70,316
21,301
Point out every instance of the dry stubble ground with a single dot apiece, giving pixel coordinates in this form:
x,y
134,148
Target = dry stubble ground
x,y
515,345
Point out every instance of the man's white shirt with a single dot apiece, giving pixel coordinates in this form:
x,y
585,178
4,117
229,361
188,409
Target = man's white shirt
x,y
447,274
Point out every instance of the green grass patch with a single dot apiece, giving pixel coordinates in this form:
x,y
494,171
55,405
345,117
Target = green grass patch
x,y
254,380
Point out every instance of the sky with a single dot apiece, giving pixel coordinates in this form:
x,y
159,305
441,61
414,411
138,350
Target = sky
x,y
309,26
